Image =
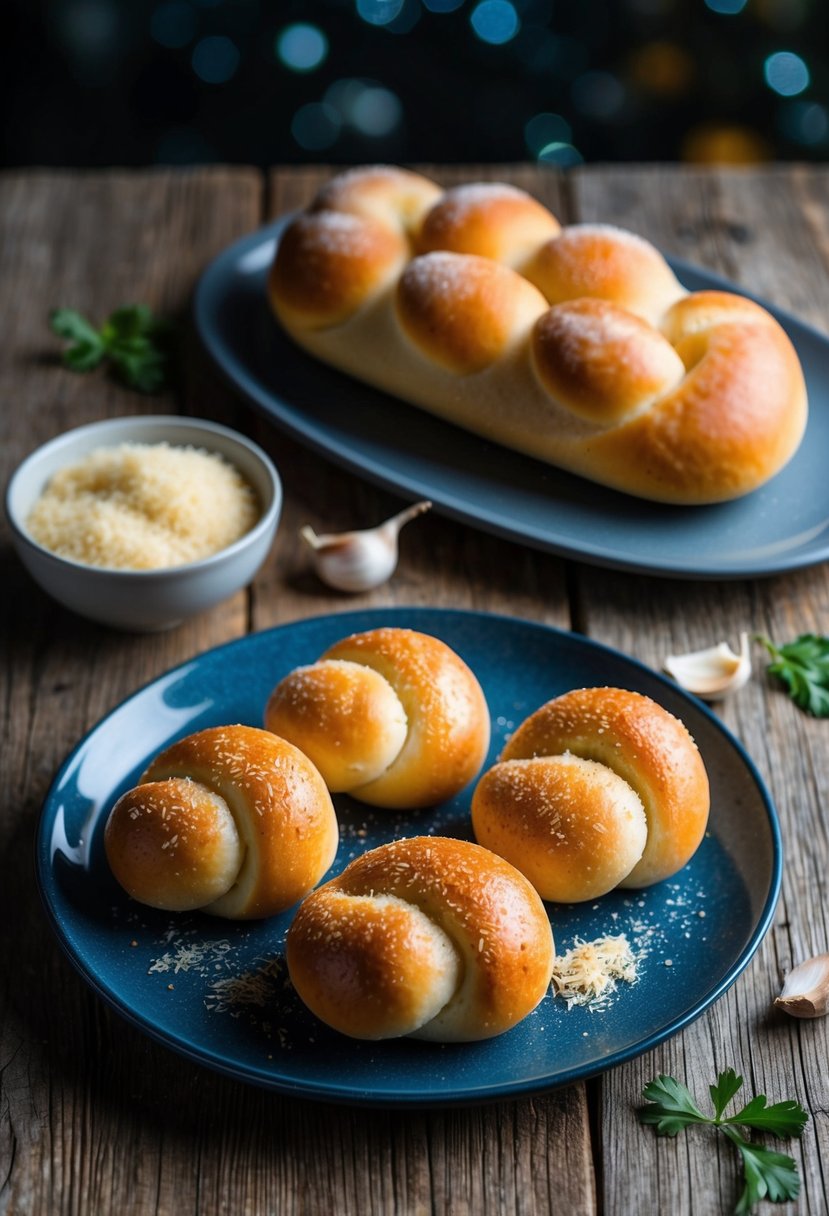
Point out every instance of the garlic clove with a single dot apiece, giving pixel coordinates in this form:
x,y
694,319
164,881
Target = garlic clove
x,y
359,561
712,673
805,992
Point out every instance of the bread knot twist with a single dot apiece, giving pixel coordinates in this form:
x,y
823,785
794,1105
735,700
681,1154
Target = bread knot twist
x,y
577,346
598,788
428,936
391,716
231,820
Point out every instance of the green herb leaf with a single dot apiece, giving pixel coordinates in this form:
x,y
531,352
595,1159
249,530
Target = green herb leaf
x,y
83,356
87,349
767,1174
130,322
781,1119
67,323
134,341
147,374
728,1084
803,667
671,1106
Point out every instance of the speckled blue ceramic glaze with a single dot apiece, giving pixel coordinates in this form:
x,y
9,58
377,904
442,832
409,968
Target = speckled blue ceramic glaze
x,y
697,930
782,526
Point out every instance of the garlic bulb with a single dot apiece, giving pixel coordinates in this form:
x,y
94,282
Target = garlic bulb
x,y
805,991
713,673
358,561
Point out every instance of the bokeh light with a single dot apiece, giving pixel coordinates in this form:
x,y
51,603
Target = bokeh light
x,y
301,47
379,12
786,73
728,8
558,153
724,144
495,21
316,126
544,129
92,35
662,68
99,82
376,111
406,19
174,24
805,122
365,106
215,59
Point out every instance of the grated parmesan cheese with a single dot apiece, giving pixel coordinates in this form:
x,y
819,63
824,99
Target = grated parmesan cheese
x,y
142,506
587,974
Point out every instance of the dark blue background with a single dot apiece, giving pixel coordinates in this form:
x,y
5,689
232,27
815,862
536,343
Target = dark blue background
x,y
105,82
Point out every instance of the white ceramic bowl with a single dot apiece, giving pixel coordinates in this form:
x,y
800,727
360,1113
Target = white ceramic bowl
x,y
145,599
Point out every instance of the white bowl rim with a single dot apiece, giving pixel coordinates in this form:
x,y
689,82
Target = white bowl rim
x,y
264,524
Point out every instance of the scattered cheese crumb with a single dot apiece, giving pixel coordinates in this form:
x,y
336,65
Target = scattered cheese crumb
x,y
197,956
249,988
143,506
587,974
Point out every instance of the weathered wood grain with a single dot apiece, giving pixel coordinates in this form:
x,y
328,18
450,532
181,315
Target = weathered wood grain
x,y
94,1117
69,1142
767,231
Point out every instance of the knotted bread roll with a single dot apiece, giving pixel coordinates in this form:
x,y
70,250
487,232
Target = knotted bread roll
x,y
231,820
576,346
598,788
430,937
391,716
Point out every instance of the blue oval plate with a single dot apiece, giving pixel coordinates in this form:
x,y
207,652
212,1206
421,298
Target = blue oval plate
x,y
782,526
217,992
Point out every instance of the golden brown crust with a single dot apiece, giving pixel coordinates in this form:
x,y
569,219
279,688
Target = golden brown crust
x,y
427,936
348,717
495,308
489,219
602,262
280,816
173,844
648,748
739,411
355,728
603,363
677,397
330,265
573,827
447,714
398,197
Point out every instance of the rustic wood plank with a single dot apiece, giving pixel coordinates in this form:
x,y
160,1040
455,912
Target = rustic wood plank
x,y
767,231
96,1117
68,1140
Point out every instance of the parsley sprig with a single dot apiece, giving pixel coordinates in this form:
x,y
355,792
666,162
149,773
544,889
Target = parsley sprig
x,y
768,1174
803,667
134,341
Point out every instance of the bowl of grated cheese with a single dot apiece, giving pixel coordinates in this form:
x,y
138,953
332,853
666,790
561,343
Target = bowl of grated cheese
x,y
140,522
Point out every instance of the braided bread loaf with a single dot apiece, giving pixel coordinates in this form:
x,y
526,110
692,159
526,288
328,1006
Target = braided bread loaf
x,y
575,346
391,716
428,936
231,820
598,788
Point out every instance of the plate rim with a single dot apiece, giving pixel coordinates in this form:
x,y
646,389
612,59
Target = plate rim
x,y
268,403
342,1094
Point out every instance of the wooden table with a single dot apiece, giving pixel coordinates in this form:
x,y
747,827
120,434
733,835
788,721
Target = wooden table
x,y
96,1118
